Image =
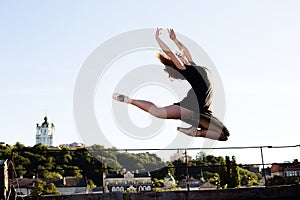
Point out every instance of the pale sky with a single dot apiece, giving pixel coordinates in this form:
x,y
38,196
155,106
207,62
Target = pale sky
x,y
254,45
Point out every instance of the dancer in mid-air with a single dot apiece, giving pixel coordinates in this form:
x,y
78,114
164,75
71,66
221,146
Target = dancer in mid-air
x,y
194,109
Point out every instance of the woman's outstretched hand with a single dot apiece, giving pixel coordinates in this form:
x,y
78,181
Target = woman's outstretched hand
x,y
172,34
158,33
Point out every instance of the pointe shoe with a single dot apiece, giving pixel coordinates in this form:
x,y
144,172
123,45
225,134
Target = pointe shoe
x,y
121,98
223,137
188,131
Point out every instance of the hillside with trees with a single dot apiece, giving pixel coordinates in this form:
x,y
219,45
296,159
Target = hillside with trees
x,y
45,162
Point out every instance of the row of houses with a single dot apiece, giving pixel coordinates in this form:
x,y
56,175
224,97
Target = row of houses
x,y
128,181
66,185
138,182
287,170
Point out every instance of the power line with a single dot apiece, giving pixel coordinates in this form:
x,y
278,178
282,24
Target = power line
x,y
198,148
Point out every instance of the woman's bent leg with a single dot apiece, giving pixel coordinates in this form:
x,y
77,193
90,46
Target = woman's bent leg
x,y
212,134
210,130
176,112
207,133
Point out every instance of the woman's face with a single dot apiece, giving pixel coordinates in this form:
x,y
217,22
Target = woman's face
x,y
182,59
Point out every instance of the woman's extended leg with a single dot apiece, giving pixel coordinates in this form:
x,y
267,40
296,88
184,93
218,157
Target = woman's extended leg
x,y
168,112
176,112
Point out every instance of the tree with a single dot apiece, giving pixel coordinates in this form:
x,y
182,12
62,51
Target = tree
x,y
46,174
38,188
72,171
51,189
234,175
213,178
90,163
180,169
158,182
230,176
279,180
223,174
248,178
91,184
42,188
201,156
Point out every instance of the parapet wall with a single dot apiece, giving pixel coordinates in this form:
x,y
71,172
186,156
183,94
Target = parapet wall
x,y
270,193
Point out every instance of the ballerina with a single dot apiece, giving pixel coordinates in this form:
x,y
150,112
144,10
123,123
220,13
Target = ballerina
x,y
194,109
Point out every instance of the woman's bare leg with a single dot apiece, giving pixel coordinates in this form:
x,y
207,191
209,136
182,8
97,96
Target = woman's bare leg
x,y
211,134
168,112
209,131
221,131
176,112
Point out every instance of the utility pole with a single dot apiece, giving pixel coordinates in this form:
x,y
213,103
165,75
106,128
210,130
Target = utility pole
x,y
187,172
12,171
263,164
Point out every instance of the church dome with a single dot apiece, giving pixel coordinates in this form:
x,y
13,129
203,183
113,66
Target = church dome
x,y
45,123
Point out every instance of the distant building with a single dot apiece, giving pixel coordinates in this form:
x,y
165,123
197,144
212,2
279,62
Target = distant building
x,y
169,181
65,185
196,184
45,133
252,168
286,170
180,156
136,182
74,145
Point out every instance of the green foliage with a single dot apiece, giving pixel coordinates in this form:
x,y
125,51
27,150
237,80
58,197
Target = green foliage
x,y
278,180
180,169
72,171
38,188
51,189
42,188
161,173
44,162
230,177
224,173
47,174
91,184
166,189
234,175
248,178
158,182
213,178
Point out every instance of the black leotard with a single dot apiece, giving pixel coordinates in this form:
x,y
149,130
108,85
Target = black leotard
x,y
199,97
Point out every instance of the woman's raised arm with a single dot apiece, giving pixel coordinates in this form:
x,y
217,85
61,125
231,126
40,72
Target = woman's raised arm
x,y
180,45
167,50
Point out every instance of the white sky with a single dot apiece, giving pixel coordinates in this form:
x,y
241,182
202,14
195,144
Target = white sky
x,y
254,45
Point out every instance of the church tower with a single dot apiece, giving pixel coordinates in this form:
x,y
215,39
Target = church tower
x,y
45,133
